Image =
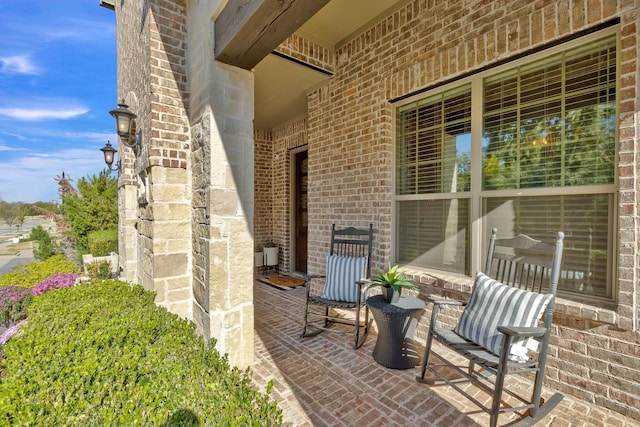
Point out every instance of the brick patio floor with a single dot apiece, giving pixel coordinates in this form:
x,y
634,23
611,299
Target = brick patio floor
x,y
322,381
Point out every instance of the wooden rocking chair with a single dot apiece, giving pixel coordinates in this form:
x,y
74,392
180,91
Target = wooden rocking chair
x,y
347,269
498,330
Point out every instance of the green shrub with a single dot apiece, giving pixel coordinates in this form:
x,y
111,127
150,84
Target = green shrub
x,y
80,251
99,270
38,233
33,273
46,246
45,249
103,242
94,207
103,353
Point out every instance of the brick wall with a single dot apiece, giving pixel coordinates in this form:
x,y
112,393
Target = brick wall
x,y
349,133
273,186
596,351
133,88
168,85
169,186
311,53
263,188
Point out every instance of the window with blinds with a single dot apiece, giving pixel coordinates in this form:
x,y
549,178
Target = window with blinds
x,y
552,123
547,131
434,157
434,150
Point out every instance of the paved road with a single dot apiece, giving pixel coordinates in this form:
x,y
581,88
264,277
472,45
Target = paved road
x,y
11,262
31,222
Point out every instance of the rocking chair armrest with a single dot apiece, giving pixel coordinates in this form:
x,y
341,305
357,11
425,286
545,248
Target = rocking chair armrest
x,y
444,301
522,331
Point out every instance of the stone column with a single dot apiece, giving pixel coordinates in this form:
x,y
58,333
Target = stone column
x,y
221,114
127,233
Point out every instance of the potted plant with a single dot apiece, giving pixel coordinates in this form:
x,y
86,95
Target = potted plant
x,y
391,282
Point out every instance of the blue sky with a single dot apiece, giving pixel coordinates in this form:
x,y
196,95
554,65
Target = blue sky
x,y
57,85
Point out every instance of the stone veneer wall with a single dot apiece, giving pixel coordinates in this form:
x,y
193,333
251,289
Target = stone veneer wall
x,y
595,354
167,222
194,240
221,115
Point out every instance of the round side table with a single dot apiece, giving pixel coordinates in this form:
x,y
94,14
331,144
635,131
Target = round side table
x,y
395,347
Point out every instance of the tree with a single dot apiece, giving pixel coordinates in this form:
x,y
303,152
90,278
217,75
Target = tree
x,y
44,208
93,207
64,182
46,246
22,214
9,212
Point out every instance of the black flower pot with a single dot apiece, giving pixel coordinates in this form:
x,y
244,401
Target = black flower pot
x,y
390,295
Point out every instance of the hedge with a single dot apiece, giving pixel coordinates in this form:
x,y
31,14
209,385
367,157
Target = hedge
x,y
33,273
102,353
103,242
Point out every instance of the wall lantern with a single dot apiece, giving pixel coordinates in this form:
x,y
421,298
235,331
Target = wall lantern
x,y
126,125
109,156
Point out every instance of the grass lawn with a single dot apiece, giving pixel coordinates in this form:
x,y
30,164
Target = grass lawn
x,y
13,248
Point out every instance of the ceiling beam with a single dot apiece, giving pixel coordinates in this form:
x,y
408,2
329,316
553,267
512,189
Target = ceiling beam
x,y
109,4
248,30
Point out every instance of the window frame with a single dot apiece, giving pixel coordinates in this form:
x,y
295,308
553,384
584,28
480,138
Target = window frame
x,y
477,227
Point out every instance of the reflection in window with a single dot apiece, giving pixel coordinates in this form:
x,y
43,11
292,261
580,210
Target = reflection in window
x,y
545,162
585,221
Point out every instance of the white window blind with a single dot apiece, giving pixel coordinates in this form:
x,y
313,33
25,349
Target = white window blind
x,y
552,123
433,153
547,163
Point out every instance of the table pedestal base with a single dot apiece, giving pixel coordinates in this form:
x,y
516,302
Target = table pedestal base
x,y
395,347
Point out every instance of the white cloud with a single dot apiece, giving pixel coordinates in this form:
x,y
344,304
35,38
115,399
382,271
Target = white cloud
x,y
30,178
14,136
42,114
92,136
20,64
7,148
78,29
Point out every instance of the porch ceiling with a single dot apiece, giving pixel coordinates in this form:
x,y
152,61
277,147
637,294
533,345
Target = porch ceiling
x,y
281,85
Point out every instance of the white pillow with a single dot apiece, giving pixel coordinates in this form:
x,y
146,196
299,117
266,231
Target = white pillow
x,y
342,275
494,304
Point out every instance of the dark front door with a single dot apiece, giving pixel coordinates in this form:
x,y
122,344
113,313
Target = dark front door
x,y
301,218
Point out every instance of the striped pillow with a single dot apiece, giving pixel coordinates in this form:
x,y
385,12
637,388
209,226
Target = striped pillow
x,y
342,275
493,304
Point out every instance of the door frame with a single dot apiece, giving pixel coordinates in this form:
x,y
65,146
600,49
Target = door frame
x,y
292,203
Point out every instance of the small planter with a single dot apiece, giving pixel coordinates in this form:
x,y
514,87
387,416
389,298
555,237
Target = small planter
x,y
391,283
270,255
390,295
112,258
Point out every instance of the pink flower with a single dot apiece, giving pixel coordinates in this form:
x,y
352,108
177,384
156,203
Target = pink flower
x,y
11,332
57,281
